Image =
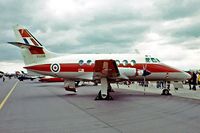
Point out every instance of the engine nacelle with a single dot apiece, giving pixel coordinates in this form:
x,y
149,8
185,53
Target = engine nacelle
x,y
140,72
127,72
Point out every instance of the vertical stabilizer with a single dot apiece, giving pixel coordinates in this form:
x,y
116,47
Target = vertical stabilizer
x,y
32,50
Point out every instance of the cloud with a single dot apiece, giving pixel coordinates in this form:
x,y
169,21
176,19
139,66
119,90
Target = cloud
x,y
175,9
178,55
9,53
12,67
112,26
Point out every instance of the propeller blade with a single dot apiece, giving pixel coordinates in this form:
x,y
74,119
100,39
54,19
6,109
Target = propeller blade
x,y
146,73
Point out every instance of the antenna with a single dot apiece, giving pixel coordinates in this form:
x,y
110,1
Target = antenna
x,y
137,51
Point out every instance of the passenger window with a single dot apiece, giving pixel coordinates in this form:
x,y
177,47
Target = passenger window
x,y
81,62
133,62
117,62
89,62
125,62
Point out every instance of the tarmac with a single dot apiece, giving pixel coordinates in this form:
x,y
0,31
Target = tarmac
x,y
181,92
34,107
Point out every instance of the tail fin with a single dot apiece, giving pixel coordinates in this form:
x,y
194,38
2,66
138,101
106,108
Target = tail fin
x,y
32,50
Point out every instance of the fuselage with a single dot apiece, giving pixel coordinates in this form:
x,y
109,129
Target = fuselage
x,y
99,68
81,67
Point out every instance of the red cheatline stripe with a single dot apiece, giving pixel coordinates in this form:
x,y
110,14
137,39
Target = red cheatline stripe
x,y
44,67
74,67
156,67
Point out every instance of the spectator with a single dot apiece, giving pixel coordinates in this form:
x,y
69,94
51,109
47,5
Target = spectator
x,y
3,78
194,80
168,85
158,84
190,81
198,81
163,84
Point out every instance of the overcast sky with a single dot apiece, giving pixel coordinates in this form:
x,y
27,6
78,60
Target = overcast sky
x,y
167,29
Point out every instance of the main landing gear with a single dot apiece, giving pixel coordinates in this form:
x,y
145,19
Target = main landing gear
x,y
104,93
166,89
69,85
101,96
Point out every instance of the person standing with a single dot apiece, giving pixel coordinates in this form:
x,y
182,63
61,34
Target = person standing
x,y
3,78
190,80
194,80
198,79
168,85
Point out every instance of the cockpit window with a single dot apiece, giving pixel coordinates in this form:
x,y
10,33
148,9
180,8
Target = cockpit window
x,y
147,59
157,60
150,59
153,60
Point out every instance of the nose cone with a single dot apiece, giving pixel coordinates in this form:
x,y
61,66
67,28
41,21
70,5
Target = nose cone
x,y
186,75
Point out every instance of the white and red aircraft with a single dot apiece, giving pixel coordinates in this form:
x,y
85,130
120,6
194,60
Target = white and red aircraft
x,y
103,68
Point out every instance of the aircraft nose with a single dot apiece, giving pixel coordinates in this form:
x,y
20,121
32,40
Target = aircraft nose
x,y
186,75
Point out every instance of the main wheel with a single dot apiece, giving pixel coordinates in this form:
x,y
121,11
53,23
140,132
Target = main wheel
x,y
101,96
165,92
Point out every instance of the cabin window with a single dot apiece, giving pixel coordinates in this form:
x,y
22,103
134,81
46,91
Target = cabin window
x,y
89,62
117,62
133,62
125,62
81,62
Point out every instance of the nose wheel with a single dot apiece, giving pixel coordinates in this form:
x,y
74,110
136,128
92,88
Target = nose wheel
x,y
166,92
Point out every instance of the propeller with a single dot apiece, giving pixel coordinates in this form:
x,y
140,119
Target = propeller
x,y
145,71
144,74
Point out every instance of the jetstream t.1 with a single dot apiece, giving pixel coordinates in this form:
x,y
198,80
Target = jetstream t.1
x,y
103,68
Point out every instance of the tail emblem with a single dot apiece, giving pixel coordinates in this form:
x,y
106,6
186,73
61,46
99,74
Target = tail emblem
x,y
29,38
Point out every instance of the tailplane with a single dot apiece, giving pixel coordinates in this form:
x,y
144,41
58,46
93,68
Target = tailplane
x,y
32,50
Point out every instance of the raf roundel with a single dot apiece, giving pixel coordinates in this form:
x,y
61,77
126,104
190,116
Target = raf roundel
x,y
55,68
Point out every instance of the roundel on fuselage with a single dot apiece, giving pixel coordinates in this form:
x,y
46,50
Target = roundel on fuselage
x,y
55,68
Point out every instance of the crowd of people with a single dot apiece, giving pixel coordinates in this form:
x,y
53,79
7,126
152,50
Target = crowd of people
x,y
163,84
194,80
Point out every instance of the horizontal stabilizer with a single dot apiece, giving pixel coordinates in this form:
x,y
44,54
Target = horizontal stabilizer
x,y
32,48
23,45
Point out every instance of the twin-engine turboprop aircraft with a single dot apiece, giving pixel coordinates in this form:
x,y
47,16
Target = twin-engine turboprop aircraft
x,y
103,68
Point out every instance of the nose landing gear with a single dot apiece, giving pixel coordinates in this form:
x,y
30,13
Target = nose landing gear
x,y
166,92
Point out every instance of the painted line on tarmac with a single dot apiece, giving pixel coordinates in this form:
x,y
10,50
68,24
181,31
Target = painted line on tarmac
x,y
8,95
